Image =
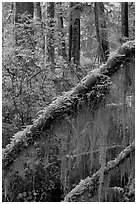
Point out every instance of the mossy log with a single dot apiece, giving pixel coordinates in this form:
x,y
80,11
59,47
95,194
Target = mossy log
x,y
89,186
66,104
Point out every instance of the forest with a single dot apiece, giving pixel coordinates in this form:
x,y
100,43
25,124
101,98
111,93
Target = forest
x,y
68,101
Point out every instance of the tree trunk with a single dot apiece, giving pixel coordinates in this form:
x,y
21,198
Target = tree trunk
x,y
38,10
70,33
124,19
62,48
50,34
40,25
101,32
74,33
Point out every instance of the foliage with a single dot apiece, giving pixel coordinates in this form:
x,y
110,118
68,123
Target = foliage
x,y
30,82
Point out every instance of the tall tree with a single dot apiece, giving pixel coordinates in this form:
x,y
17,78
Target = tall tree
x,y
62,47
101,30
38,10
50,33
70,32
124,19
40,27
74,33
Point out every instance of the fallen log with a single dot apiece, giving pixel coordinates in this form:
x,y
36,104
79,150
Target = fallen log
x,y
91,185
66,104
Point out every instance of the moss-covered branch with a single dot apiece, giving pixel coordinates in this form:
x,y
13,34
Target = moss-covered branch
x,y
67,104
114,148
92,184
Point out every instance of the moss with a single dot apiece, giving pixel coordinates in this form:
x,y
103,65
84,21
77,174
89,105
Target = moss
x,y
91,89
91,184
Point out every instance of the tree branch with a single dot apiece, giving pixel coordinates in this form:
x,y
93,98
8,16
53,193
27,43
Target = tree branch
x,y
93,182
67,104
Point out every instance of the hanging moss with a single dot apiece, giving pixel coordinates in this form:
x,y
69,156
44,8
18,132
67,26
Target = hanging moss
x,y
75,136
66,104
90,185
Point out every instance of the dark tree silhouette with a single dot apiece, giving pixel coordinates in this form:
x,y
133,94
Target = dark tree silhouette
x,y
74,33
39,20
124,19
50,33
101,31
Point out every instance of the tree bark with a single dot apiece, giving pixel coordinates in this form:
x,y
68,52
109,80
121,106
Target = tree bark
x,y
74,33
39,20
70,32
62,50
50,34
38,10
124,19
101,31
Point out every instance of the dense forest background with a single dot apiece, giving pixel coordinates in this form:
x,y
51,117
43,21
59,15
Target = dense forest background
x,y
48,47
